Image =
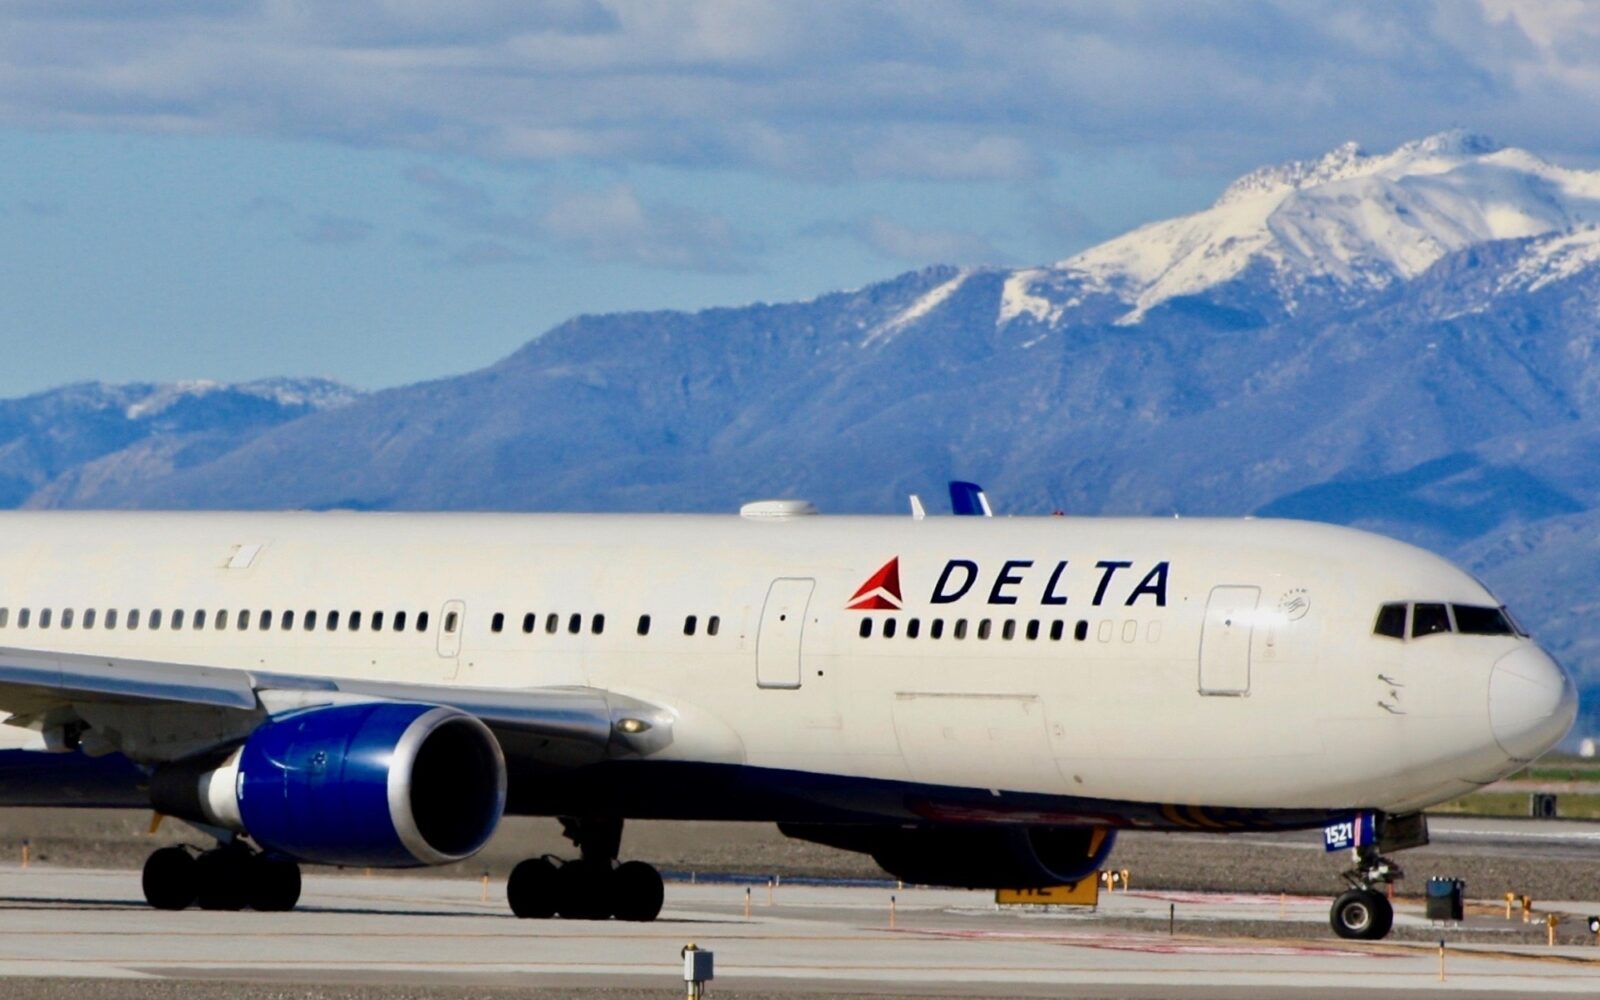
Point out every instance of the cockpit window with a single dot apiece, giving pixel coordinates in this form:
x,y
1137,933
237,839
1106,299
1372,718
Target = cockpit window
x,y
1426,619
1391,621
1474,620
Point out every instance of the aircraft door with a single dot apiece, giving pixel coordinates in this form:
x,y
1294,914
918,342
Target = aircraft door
x,y
451,619
1225,640
783,621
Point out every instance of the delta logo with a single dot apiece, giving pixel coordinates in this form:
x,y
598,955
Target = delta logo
x,y
881,592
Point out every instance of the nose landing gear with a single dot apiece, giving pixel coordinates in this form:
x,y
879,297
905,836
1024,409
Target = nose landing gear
x,y
1364,912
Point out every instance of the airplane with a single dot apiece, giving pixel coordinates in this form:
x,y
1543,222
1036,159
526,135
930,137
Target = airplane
x,y
973,701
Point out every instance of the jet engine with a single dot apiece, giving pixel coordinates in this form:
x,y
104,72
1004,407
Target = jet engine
x,y
375,784
973,857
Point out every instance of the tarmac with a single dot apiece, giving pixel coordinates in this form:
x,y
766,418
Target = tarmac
x,y
409,936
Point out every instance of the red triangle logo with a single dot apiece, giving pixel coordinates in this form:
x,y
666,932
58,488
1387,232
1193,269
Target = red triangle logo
x,y
881,592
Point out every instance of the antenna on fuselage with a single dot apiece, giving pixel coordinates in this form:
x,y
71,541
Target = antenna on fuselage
x,y
918,512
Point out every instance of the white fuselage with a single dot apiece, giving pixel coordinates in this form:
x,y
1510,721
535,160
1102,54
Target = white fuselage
x,y
1227,664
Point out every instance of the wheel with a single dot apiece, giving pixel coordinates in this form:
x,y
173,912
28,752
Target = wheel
x,y
272,884
1362,915
583,890
223,879
170,879
637,890
533,889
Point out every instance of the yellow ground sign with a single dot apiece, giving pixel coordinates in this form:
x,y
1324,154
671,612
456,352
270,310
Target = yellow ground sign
x,y
1084,892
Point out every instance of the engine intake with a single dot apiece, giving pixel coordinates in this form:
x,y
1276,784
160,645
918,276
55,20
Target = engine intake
x,y
379,784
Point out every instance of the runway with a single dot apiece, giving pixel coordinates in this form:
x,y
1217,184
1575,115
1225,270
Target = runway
x,y
405,932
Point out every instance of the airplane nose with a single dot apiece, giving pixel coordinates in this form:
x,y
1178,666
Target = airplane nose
x,y
1532,702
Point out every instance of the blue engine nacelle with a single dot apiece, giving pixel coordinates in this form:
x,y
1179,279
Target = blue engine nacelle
x,y
374,784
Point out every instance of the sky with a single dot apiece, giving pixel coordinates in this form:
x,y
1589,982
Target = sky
x,y
387,191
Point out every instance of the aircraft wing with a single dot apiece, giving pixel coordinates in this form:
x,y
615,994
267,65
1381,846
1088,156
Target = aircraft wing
x,y
556,724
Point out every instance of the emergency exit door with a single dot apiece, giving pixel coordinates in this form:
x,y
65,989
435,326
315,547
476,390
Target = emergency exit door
x,y
1225,640
783,622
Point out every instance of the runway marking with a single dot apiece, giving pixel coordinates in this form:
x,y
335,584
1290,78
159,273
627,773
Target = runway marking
x,y
1156,945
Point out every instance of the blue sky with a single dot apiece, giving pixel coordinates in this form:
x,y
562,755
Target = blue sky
x,y
384,191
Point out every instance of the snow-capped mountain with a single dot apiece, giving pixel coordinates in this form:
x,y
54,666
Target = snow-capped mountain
x,y
1343,225
54,442
1408,341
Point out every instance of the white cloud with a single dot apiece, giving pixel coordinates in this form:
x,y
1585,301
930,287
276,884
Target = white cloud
x,y
943,89
916,245
613,225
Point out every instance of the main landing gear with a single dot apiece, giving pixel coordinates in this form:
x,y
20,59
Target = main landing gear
x,y
591,887
1364,912
230,877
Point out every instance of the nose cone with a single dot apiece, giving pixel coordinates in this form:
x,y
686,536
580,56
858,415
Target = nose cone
x,y
1532,702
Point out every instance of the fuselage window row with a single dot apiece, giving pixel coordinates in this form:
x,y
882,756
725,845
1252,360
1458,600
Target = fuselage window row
x,y
180,620
1032,630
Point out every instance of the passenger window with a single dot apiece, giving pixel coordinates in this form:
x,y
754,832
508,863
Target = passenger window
x,y
497,624
552,622
983,629
286,620
574,624
220,622
713,625
111,618
597,624
355,621
1058,628
244,621
177,620
310,621
264,621
530,621
888,628
399,621
88,618
644,625
913,628
377,621
866,628
689,625
1033,630
5,617
1474,620
155,620
22,618
66,618
199,620
450,621
1426,619
1391,621
333,621
133,619
1008,631
422,621
960,631
1080,631
44,618
936,629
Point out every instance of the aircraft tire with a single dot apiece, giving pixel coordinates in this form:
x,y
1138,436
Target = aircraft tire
x,y
637,891
583,890
1362,915
273,884
223,877
533,889
170,879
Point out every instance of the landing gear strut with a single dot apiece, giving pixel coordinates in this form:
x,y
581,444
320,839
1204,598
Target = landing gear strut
x,y
1364,912
592,886
230,877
